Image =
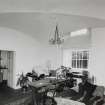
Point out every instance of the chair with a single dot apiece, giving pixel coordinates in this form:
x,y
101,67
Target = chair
x,y
98,94
99,91
34,95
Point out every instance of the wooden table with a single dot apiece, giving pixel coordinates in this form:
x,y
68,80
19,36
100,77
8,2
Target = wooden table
x,y
39,90
41,87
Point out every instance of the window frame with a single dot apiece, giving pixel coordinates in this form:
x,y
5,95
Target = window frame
x,y
80,59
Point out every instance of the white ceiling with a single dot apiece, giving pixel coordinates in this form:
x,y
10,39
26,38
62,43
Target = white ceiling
x,y
39,17
94,8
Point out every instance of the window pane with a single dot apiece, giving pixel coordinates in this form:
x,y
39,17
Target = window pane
x,y
78,55
73,63
74,55
85,55
81,63
85,63
78,63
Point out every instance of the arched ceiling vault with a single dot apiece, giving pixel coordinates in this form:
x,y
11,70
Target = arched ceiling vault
x,y
38,18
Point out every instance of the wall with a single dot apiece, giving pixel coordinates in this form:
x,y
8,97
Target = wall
x,y
29,53
97,63
50,57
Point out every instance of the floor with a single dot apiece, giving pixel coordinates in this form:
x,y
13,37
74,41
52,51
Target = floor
x,y
8,95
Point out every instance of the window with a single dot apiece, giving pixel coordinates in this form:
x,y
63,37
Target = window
x,y
79,32
80,59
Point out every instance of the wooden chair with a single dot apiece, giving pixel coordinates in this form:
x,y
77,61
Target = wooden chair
x,y
98,94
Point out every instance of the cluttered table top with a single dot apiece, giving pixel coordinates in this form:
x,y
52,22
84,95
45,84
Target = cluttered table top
x,y
45,82
40,83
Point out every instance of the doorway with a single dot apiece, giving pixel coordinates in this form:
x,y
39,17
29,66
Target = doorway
x,y
6,67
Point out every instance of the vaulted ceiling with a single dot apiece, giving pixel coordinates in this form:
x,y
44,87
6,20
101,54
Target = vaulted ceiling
x,y
94,8
39,17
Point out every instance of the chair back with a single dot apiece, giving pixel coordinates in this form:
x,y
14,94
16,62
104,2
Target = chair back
x,y
99,91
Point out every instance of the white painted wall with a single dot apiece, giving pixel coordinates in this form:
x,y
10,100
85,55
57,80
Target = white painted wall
x,y
67,57
29,53
97,63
